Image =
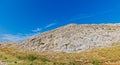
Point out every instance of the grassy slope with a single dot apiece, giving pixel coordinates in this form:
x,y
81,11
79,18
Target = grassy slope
x,y
103,56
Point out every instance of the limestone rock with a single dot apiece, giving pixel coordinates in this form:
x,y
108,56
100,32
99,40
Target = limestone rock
x,y
74,38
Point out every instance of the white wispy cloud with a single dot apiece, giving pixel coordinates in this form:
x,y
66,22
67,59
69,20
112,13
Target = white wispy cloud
x,y
84,16
37,30
15,38
19,37
78,18
40,29
50,25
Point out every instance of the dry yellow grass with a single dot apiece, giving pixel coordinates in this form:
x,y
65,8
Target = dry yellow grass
x,y
100,56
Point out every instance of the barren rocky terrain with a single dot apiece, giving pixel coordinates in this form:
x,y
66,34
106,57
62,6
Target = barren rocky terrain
x,y
2,63
74,38
73,44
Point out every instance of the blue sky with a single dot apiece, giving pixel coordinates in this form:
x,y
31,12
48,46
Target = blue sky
x,y
21,19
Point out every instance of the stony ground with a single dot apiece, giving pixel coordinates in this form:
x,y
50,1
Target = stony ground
x,y
74,38
3,63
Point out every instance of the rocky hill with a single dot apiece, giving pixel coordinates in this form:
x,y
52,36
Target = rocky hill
x,y
74,38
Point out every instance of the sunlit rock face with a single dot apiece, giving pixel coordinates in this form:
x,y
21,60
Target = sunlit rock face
x,y
74,38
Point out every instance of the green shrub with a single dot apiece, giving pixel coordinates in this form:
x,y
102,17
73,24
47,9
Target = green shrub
x,y
32,57
15,62
44,60
95,62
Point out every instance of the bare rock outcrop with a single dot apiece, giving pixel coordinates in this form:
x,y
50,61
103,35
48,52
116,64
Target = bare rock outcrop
x,y
3,63
74,38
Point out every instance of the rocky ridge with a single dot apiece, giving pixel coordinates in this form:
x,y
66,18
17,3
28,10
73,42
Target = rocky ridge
x,y
74,38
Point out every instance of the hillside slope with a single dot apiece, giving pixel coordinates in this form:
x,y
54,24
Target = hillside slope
x,y
74,38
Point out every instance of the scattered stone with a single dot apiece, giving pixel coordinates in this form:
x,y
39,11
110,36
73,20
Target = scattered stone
x,y
74,38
